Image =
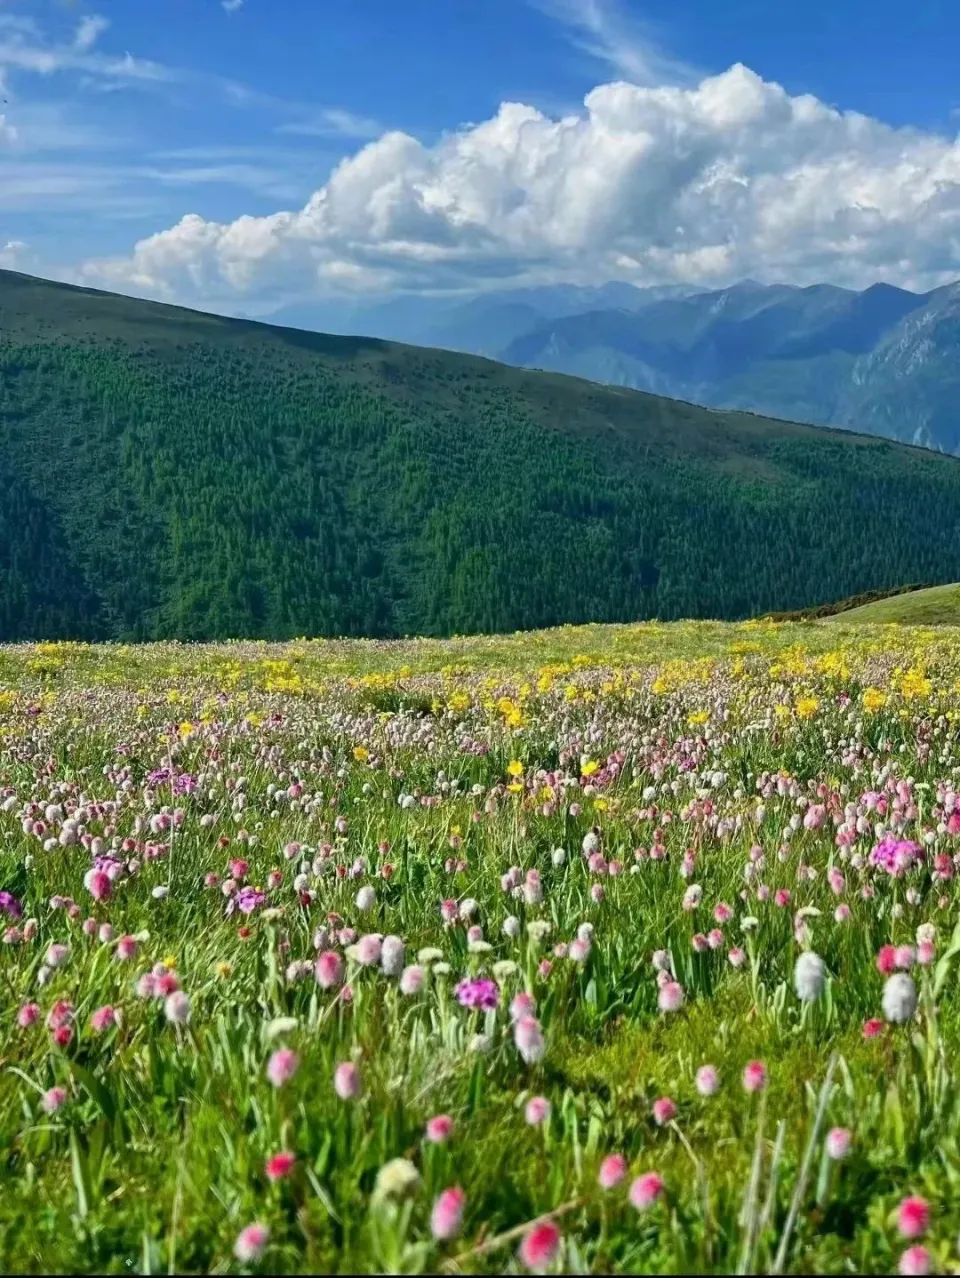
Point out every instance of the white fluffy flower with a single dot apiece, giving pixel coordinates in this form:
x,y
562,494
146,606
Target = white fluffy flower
x,y
366,898
809,976
392,955
899,998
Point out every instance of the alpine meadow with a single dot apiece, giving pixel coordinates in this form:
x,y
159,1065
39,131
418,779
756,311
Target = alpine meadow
x,y
479,638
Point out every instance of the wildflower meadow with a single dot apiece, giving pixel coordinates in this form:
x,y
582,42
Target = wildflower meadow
x,y
601,950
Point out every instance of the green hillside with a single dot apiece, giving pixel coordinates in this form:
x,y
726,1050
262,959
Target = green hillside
x,y
937,606
170,474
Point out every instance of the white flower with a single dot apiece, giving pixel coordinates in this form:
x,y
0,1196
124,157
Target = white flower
x,y
479,947
160,891
511,926
392,956
538,929
429,954
809,976
468,908
503,970
442,969
280,1025
558,856
397,1179
749,923
481,1043
926,932
177,1008
366,898
899,998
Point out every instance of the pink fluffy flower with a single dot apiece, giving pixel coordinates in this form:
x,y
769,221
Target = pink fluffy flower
x,y
612,1171
755,1076
279,1166
28,1015
251,1243
886,959
439,1129
53,1100
913,1217
839,1141
528,1037
708,1080
103,1018
645,1190
446,1219
329,969
537,1110
670,998
540,1246
915,1260
664,1110
282,1066
97,883
346,1081
127,947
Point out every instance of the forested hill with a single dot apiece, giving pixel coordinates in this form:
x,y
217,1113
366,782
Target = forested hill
x,y
166,473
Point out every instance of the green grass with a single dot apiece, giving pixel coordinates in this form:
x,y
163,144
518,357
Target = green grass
x,y
935,606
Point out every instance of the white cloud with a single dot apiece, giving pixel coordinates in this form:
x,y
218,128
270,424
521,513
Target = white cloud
x,y
14,255
601,29
8,132
89,31
332,122
712,182
231,6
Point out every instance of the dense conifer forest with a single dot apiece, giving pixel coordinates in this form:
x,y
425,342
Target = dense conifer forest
x,y
169,474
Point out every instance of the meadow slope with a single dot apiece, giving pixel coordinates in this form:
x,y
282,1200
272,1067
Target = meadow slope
x,y
604,950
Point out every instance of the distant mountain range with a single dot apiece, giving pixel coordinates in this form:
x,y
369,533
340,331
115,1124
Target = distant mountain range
x,y
884,360
165,473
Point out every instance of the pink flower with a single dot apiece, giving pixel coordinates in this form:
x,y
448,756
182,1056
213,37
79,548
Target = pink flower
x,y
62,1035
528,1037
663,1110
280,1166
670,997
537,1110
329,969
28,1015
60,1014
755,1076
708,1080
411,980
97,883
926,953
346,1081
612,1171
127,947
905,956
251,1243
540,1246
645,1190
722,912
282,1066
103,1018
446,1218
522,1005
368,949
53,1099
839,1141
886,959
915,1260
872,1028
913,1217
439,1129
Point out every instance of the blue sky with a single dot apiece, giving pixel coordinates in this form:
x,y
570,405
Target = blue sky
x,y
796,139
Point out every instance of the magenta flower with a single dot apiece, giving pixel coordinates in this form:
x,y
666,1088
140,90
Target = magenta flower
x,y
479,992
251,1243
755,1076
913,1217
646,1190
439,1129
612,1171
446,1219
540,1246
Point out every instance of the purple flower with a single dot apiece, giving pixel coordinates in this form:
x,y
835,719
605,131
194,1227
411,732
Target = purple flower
x,y
10,905
246,900
480,993
895,855
184,784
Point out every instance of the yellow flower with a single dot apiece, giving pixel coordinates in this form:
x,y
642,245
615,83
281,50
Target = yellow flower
x,y
223,969
515,768
590,768
186,729
601,805
361,753
515,788
170,962
807,707
874,699
696,720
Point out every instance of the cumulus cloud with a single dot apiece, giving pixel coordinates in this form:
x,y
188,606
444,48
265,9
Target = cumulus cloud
x,y
89,31
703,183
